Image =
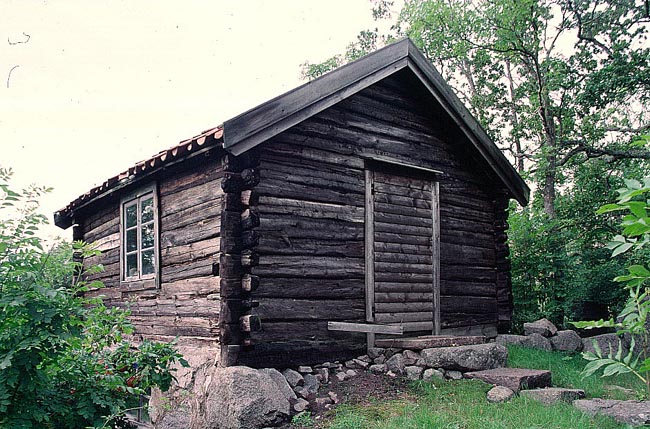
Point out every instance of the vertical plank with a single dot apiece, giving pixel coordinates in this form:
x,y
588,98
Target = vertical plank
x,y
370,254
435,250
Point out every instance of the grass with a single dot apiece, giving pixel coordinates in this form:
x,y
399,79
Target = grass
x,y
462,404
566,369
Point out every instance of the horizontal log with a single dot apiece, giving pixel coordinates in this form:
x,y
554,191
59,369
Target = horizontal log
x,y
395,287
194,287
191,197
404,191
404,258
296,166
402,205
280,189
304,330
323,229
190,252
109,227
190,215
305,309
403,220
468,304
100,215
403,229
320,210
201,230
402,277
399,307
182,181
417,316
396,238
309,267
195,268
365,327
401,268
404,297
467,288
452,253
277,244
107,242
489,330
294,145
304,288
292,353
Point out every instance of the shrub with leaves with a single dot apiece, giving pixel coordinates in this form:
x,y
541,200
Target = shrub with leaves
x,y
64,359
634,202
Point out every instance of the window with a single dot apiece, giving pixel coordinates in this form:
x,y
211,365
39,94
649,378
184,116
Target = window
x,y
139,236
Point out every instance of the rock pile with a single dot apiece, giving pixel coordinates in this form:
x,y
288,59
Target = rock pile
x,y
542,334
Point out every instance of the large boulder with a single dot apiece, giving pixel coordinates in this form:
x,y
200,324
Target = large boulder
x,y
607,343
515,379
281,382
507,339
538,341
239,397
467,358
553,395
534,340
543,327
567,341
635,413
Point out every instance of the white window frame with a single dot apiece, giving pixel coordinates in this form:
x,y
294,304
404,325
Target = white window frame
x,y
128,200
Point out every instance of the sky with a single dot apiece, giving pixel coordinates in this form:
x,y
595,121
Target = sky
x,y
90,87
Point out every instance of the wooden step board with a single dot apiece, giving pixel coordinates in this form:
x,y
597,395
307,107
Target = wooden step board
x,y
429,342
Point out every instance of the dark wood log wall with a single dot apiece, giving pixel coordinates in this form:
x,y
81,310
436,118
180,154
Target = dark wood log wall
x,y
186,304
504,278
310,205
237,238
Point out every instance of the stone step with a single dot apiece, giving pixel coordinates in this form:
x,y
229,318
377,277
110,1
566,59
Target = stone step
x,y
552,395
636,413
515,378
430,342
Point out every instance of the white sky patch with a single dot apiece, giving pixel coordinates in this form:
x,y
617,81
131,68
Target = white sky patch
x,y
101,85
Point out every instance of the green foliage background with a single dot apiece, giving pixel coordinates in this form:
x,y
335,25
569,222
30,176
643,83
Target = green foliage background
x,y
65,361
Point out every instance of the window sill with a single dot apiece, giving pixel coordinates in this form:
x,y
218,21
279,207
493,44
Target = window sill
x,y
133,285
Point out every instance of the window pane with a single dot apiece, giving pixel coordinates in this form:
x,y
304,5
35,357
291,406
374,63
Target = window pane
x,y
132,265
146,207
147,262
131,213
131,240
147,236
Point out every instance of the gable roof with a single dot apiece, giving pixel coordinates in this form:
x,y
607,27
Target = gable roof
x,y
251,128
259,124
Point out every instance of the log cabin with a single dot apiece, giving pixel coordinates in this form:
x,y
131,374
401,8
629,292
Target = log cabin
x,y
363,206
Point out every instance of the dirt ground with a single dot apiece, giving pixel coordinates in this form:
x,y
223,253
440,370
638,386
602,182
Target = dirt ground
x,y
363,389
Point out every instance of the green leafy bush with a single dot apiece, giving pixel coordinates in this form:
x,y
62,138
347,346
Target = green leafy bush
x,y
634,202
64,359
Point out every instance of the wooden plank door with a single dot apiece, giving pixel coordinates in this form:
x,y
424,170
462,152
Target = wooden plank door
x,y
402,251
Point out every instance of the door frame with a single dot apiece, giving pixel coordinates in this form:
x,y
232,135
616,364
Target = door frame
x,y
386,166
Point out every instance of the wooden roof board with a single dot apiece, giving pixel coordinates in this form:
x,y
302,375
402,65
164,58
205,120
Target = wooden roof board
x,y
259,124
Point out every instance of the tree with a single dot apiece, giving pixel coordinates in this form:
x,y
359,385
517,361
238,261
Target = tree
x,y
64,359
